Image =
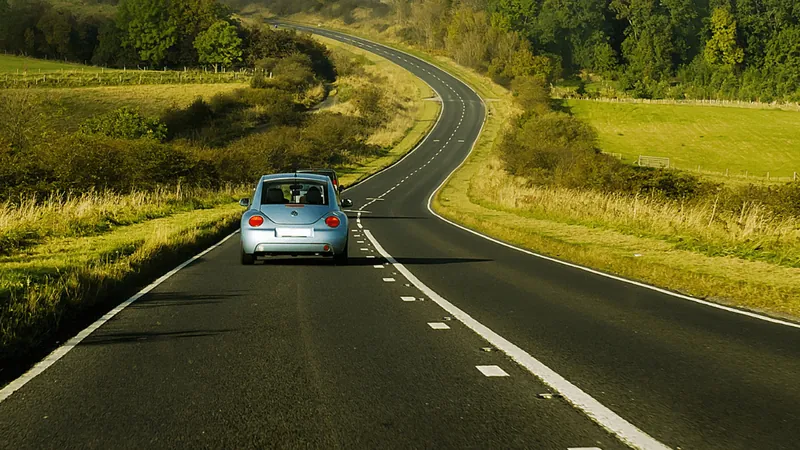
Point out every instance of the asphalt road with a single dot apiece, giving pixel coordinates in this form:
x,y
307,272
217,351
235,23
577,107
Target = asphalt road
x,y
298,353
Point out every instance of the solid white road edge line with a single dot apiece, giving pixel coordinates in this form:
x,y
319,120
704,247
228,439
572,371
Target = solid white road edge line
x,y
59,353
624,430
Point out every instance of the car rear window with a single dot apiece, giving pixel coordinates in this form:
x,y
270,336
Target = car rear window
x,y
299,192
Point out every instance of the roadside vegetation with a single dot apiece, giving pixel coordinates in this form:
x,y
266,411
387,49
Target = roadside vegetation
x,y
101,188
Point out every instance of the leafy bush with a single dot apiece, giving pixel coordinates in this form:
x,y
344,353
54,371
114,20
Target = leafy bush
x,y
370,104
181,121
125,123
547,142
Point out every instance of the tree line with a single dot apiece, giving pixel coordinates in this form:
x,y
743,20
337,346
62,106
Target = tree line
x,y
150,33
722,49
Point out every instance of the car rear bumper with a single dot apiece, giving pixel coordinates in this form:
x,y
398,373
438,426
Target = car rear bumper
x,y
265,242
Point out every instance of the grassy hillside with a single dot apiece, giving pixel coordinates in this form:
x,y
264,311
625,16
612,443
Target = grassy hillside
x,y
14,64
66,108
716,138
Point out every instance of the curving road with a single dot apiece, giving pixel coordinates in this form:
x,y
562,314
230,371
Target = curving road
x,y
396,349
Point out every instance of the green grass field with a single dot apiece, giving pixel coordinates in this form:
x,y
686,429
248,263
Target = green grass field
x,y
14,64
739,140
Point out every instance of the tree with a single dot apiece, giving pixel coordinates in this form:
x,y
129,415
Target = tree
x,y
722,48
149,29
782,61
5,9
648,45
192,17
513,15
56,27
430,22
219,45
467,37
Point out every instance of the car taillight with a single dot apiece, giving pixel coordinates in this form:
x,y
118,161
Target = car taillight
x,y
332,221
256,221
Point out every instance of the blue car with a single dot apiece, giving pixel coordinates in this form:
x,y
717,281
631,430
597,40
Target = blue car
x,y
294,214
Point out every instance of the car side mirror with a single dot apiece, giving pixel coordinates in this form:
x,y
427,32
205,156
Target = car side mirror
x,y
346,203
244,202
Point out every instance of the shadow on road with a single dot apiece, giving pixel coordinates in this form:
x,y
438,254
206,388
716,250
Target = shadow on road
x,y
170,299
367,217
155,336
362,261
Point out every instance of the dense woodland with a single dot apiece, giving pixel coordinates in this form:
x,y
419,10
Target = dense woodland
x,y
725,49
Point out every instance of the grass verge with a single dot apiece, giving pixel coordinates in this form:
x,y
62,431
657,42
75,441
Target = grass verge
x,y
54,288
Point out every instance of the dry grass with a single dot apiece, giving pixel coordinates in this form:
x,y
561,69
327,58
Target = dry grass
x,y
633,238
753,233
30,221
50,287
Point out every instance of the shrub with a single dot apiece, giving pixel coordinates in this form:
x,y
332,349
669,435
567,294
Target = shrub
x,y
180,121
547,142
125,123
370,104
259,80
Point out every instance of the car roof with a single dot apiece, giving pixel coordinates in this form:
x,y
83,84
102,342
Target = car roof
x,y
316,170
293,175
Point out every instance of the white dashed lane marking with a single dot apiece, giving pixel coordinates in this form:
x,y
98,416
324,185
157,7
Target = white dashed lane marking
x,y
438,325
492,371
389,280
378,266
407,298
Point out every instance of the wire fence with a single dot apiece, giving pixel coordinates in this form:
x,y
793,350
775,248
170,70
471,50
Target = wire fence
x,y
116,78
567,94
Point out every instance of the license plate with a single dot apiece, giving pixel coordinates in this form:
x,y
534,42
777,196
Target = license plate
x,y
293,232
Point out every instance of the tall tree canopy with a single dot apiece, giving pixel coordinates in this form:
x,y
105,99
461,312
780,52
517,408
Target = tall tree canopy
x,y
148,27
220,45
